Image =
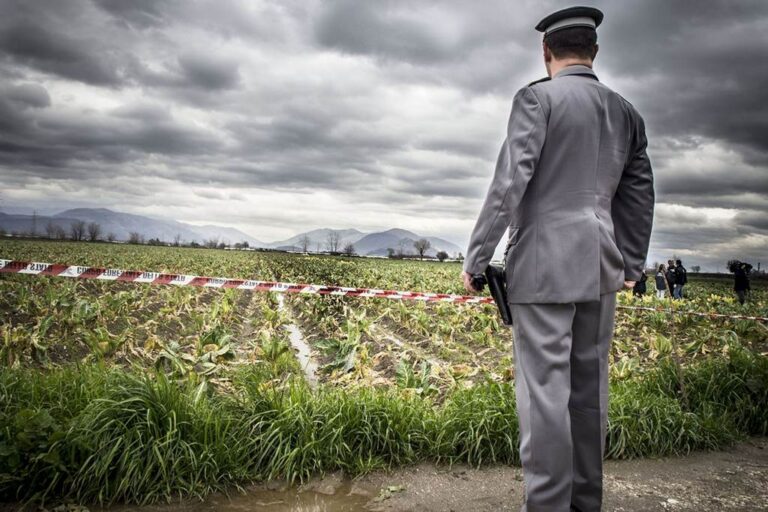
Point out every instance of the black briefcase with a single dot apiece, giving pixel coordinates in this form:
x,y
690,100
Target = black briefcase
x,y
496,278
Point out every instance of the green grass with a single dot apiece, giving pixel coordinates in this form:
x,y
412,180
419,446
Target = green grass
x,y
94,434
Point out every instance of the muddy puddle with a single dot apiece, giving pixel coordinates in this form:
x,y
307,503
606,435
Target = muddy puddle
x,y
293,499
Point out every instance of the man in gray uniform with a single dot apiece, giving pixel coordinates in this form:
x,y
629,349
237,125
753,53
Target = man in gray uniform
x,y
574,187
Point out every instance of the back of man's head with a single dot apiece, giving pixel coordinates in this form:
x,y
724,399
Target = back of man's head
x,y
573,43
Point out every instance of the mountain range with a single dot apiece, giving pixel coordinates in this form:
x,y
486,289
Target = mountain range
x,y
121,225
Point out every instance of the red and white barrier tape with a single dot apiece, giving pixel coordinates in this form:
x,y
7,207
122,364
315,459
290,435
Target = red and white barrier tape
x,y
696,313
111,274
135,276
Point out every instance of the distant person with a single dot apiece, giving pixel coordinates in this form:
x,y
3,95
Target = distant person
x,y
670,275
661,282
640,287
741,280
681,279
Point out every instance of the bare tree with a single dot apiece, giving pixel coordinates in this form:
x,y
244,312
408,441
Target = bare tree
x,y
442,255
94,231
60,233
34,223
390,252
77,230
134,237
177,240
332,241
212,243
50,229
421,245
349,249
304,242
111,237
401,245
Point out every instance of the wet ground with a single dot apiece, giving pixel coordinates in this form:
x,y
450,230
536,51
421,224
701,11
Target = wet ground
x,y
730,480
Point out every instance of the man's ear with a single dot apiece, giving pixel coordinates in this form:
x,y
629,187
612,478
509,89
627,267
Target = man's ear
x,y
594,54
547,52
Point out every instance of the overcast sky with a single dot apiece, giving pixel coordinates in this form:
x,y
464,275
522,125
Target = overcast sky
x,y
277,117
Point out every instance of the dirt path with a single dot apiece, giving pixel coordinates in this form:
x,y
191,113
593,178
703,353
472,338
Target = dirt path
x,y
736,479
730,480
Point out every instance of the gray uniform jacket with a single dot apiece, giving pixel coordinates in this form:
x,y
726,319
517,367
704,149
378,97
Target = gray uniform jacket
x,y
574,187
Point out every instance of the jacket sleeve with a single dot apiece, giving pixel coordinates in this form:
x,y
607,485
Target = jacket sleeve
x,y
517,161
632,205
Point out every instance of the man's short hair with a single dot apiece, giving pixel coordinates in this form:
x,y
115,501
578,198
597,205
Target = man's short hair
x,y
578,42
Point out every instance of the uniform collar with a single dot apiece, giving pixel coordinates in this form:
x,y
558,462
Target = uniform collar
x,y
576,69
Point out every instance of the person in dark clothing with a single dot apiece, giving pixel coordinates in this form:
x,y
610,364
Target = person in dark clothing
x,y
681,278
661,282
670,275
640,287
741,280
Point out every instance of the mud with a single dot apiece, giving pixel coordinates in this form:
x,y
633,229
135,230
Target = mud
x,y
731,480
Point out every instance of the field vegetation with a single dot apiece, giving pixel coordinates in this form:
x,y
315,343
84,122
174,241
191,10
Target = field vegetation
x,y
115,391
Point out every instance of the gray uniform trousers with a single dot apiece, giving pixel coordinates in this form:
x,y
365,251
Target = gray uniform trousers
x,y
561,387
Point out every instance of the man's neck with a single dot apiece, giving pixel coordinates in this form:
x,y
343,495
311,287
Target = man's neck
x,y
557,65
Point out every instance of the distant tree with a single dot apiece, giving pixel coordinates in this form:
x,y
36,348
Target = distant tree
x,y
134,237
442,255
401,245
94,231
155,241
50,229
177,240
332,241
212,243
111,237
60,233
460,257
242,245
34,223
421,245
194,243
349,249
222,245
304,242
390,252
695,268
77,230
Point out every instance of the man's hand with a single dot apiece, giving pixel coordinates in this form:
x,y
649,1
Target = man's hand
x,y
467,278
629,284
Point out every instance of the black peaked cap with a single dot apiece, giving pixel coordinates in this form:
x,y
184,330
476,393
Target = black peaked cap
x,y
571,12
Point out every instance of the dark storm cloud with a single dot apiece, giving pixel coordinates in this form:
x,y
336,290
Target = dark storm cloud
x,y
137,13
54,52
59,38
209,71
396,31
698,71
34,141
754,219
